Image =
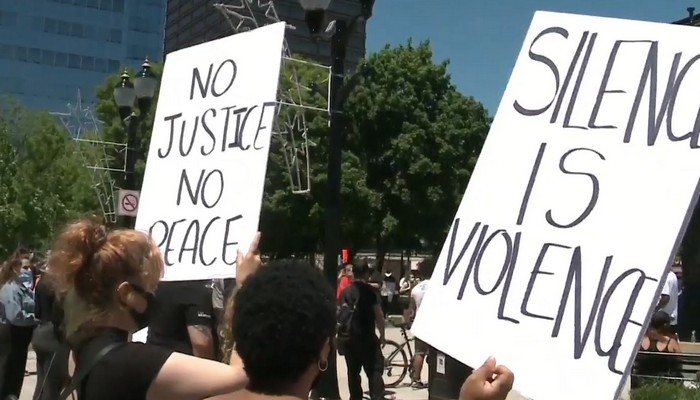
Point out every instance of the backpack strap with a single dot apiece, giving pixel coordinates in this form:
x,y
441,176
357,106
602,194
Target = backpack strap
x,y
84,369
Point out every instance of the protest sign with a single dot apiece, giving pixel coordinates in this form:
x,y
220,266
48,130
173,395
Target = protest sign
x,y
576,207
203,185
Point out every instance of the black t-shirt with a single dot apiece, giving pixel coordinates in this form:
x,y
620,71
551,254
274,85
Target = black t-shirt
x,y
363,319
44,300
126,372
180,304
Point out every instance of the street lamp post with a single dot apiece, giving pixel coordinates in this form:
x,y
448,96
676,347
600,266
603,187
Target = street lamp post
x,y
327,387
126,96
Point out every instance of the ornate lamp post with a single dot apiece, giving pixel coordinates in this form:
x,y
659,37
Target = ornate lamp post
x,y
130,97
341,30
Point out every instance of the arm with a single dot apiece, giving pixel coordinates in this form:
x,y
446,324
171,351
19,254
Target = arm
x,y
665,296
378,318
15,312
184,377
410,311
379,321
198,317
202,341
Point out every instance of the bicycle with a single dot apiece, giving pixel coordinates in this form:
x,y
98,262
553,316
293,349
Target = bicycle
x,y
404,364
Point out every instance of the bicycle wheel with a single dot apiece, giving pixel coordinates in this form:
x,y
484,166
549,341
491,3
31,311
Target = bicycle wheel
x,y
396,364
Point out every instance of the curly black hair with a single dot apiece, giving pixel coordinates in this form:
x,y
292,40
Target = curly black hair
x,y
283,315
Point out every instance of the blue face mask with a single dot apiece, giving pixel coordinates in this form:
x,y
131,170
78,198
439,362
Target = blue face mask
x,y
27,278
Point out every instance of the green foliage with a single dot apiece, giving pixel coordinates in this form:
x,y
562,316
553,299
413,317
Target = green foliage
x,y
43,181
292,223
417,138
662,390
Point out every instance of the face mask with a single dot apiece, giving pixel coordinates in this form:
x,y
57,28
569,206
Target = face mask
x,y
26,277
142,319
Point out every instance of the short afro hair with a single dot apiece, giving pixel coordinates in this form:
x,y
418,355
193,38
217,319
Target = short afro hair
x,y
282,316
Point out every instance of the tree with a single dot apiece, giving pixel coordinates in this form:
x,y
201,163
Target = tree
x,y
44,183
293,224
418,139
11,214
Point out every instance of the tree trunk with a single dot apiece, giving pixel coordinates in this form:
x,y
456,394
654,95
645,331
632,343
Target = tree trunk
x,y
380,248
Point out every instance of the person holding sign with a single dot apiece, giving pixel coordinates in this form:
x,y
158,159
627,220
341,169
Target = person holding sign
x,y
107,280
284,322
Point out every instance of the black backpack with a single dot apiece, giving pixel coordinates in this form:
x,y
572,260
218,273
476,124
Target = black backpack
x,y
345,314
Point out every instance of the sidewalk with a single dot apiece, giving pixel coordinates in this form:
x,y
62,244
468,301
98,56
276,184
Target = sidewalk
x,y
403,392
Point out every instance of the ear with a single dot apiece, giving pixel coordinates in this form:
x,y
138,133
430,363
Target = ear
x,y
124,293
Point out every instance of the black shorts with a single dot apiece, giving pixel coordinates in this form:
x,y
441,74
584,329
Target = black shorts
x,y
421,347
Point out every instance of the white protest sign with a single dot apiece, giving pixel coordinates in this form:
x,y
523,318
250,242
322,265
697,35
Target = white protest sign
x,y
576,207
202,190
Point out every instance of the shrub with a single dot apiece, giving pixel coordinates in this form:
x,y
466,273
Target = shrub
x,y
665,391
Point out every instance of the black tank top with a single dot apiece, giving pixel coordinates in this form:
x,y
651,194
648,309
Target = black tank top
x,y
657,365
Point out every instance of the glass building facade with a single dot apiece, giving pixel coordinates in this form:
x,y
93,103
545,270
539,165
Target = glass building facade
x,y
50,49
191,22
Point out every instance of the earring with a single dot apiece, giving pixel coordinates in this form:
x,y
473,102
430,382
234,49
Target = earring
x,y
322,365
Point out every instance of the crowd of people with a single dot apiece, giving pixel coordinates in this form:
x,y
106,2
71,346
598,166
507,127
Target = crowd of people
x,y
269,334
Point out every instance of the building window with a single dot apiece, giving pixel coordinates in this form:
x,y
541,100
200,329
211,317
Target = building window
x,y
113,66
73,61
20,53
100,65
106,5
6,51
38,23
63,28
89,31
35,55
61,59
47,57
49,25
88,63
76,30
115,36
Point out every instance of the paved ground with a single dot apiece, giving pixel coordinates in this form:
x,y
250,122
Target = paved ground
x,y
403,392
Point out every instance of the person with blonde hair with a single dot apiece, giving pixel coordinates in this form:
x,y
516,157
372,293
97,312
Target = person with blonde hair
x,y
17,323
106,280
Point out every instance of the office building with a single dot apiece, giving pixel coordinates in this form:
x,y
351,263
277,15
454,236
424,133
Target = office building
x,y
190,22
51,48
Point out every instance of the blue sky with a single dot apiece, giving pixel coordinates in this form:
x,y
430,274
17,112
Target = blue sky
x,y
481,38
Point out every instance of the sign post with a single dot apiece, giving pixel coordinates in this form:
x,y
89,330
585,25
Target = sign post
x,y
576,208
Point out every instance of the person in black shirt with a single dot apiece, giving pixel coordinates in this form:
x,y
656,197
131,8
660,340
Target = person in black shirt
x,y
50,349
283,325
107,281
184,320
363,346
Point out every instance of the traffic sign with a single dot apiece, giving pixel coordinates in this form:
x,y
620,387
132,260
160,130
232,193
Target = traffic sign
x,y
128,203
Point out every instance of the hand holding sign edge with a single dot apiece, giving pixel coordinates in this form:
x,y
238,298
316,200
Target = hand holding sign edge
x,y
247,264
488,382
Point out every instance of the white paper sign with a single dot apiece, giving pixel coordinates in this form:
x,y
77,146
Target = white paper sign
x,y
203,185
575,209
